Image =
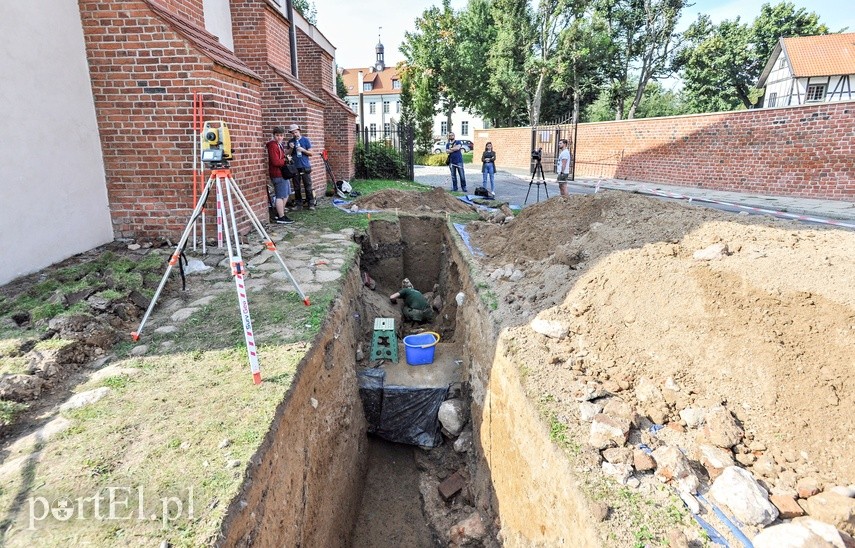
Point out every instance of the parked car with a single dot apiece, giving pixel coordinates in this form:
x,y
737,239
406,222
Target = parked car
x,y
439,146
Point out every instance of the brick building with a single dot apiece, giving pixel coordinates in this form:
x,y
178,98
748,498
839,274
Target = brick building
x,y
148,57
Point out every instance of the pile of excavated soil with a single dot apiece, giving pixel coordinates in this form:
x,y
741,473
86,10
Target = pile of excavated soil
x,y
766,328
434,200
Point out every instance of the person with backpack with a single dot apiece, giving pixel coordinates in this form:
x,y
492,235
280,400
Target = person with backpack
x,y
277,162
300,148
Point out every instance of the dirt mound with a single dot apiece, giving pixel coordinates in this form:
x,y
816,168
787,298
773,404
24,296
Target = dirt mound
x,y
765,327
434,200
610,220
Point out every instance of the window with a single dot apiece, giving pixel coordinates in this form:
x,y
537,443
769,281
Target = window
x,y
373,129
773,98
396,84
367,86
464,128
387,129
443,128
398,107
385,107
372,107
354,106
783,63
815,92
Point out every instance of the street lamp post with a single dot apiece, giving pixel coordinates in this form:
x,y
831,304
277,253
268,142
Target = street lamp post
x,y
360,83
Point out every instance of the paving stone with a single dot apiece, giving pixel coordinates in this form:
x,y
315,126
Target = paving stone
x,y
302,275
114,371
84,398
204,301
324,276
183,314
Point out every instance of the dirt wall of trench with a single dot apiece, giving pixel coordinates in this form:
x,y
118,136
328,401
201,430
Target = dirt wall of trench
x,y
303,487
518,475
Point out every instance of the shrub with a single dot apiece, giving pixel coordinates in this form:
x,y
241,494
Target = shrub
x,y
378,161
435,159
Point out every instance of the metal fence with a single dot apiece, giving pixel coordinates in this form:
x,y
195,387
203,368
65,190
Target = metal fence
x,y
398,137
546,139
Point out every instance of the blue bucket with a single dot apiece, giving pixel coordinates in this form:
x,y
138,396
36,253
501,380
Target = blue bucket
x,y
420,348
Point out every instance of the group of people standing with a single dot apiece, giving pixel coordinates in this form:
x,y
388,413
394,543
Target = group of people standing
x,y
289,161
454,149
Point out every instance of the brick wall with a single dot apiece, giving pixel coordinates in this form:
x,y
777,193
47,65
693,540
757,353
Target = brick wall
x,y
262,41
341,136
805,151
143,76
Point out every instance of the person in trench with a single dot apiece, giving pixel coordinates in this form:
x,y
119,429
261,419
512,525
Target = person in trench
x,y
416,308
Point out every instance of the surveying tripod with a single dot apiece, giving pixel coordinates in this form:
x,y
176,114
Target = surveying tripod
x,y
221,179
538,168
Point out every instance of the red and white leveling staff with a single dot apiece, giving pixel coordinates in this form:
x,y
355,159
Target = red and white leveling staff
x,y
221,178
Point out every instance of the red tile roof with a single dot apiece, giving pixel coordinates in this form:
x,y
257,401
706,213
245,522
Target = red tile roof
x,y
825,55
382,80
202,40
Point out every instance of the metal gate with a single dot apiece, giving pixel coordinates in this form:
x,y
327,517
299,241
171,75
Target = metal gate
x,y
545,139
396,136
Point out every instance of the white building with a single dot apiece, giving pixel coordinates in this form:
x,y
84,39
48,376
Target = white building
x,y
810,69
381,100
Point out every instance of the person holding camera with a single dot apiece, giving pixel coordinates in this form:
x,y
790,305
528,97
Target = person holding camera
x,y
300,151
488,168
277,164
455,162
563,166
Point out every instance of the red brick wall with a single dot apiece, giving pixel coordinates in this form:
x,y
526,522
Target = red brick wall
x,y
806,151
261,40
341,136
143,77
192,10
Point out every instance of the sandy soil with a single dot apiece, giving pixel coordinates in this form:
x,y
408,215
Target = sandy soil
x,y
436,200
768,329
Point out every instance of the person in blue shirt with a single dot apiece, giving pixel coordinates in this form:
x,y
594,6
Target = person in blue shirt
x,y
300,150
455,162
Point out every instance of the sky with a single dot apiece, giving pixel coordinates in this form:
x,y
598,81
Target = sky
x,y
353,27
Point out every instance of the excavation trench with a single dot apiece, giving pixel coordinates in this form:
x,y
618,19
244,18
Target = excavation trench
x,y
356,455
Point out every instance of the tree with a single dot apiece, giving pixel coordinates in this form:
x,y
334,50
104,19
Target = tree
x,y
642,42
340,88
658,42
429,68
582,54
507,59
307,9
721,63
549,18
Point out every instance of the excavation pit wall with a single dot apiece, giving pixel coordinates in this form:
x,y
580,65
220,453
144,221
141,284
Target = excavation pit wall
x,y
305,485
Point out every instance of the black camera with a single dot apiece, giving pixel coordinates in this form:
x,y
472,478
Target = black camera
x,y
537,154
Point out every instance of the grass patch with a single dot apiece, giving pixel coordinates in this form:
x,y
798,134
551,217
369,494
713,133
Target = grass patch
x,y
161,436
45,300
370,186
9,410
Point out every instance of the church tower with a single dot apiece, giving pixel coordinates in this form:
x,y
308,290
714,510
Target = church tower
x,y
379,64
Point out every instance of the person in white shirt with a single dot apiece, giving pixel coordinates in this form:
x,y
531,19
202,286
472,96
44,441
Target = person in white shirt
x,y
563,166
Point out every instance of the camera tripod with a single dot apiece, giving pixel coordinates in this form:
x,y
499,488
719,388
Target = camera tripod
x,y
221,179
538,168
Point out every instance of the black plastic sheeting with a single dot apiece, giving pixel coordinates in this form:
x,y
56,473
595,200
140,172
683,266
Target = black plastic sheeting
x,y
398,413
